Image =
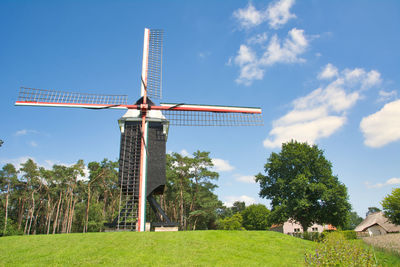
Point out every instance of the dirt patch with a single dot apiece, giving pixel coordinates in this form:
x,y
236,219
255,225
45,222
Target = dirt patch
x,y
390,242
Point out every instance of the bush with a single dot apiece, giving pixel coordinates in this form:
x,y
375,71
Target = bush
x,y
255,217
12,228
349,234
324,234
335,250
231,223
312,236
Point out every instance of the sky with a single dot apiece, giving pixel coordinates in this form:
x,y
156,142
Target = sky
x,y
323,72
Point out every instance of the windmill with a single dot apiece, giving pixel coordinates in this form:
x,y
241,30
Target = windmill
x,y
144,131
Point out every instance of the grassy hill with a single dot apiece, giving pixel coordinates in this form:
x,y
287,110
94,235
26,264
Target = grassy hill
x,y
198,248
191,248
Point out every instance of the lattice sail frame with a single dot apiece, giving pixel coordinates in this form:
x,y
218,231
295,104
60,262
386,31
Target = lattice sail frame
x,y
154,64
43,97
208,118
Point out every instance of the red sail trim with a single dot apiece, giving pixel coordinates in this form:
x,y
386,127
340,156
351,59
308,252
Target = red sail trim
x,y
209,109
73,105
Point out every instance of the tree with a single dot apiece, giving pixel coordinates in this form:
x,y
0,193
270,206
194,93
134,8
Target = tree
x,y
391,206
231,223
8,176
238,206
300,185
372,210
30,172
1,142
255,217
352,221
188,197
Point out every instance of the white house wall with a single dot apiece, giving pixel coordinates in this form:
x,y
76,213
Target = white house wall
x,y
376,230
289,228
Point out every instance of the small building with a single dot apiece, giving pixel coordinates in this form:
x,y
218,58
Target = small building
x,y
291,227
376,224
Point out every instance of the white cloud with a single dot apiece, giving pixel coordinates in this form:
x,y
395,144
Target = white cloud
x,y
279,13
277,51
245,56
246,179
47,164
33,144
373,78
221,165
85,176
287,51
25,132
391,181
387,96
229,200
323,111
249,17
382,127
184,153
203,55
21,132
328,72
17,161
258,39
309,131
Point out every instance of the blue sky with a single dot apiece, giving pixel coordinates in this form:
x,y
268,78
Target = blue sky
x,y
325,72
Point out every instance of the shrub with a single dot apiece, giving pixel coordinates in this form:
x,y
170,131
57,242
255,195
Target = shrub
x,y
231,223
255,217
349,234
12,228
324,234
312,236
335,250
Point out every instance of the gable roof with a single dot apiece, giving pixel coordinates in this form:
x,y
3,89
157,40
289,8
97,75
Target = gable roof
x,y
379,219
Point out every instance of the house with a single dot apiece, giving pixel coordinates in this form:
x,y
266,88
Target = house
x,y
376,224
291,227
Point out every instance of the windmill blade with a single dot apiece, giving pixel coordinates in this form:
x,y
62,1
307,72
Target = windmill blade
x,y
52,98
206,115
152,63
209,108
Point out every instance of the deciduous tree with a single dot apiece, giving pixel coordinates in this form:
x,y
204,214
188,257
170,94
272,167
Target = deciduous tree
x,y
372,210
391,206
255,217
238,206
352,221
300,184
231,223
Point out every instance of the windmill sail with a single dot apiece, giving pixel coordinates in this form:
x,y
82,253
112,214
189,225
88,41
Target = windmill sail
x,y
52,98
206,115
152,63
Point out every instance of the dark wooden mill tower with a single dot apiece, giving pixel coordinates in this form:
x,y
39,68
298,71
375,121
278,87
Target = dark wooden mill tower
x,y
144,131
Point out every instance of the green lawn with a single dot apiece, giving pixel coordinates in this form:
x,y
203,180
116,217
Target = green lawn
x,y
191,248
194,248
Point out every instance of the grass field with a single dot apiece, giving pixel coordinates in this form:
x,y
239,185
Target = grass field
x,y
192,248
198,248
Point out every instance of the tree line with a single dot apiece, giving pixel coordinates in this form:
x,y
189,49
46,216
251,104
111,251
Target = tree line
x,y
36,200
298,181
